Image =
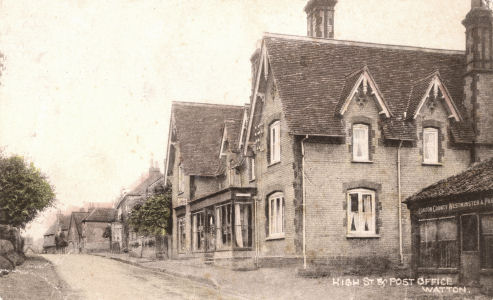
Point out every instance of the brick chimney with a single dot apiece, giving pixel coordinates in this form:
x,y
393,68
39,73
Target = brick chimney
x,y
320,18
478,79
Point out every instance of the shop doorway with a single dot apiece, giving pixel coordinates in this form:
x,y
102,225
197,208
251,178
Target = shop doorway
x,y
470,258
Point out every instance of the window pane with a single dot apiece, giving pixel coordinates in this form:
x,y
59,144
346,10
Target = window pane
x,y
238,233
487,242
430,145
354,202
427,249
367,213
360,142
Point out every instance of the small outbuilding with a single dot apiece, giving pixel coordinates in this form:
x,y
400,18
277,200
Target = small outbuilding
x,y
452,227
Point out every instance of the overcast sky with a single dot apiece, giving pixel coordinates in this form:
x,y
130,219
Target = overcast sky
x,y
88,84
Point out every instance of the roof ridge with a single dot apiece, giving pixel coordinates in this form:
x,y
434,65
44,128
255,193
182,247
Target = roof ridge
x,y
364,44
187,103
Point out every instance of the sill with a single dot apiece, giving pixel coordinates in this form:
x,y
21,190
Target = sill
x,y
181,193
275,237
432,164
273,163
486,272
362,236
438,270
362,161
252,180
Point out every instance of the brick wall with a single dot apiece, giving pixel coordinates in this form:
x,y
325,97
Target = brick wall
x,y
330,172
93,237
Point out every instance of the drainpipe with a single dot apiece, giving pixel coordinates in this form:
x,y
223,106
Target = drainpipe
x,y
401,256
303,198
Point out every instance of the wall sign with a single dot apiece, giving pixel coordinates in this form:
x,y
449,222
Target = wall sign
x,y
456,206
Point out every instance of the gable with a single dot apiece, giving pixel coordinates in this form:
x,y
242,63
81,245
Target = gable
x,y
431,92
361,87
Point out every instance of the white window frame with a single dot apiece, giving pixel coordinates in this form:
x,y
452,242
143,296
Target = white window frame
x,y
276,216
181,180
360,215
251,166
434,159
275,142
365,143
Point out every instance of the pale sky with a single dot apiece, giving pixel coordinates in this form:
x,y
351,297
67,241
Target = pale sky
x,y
88,85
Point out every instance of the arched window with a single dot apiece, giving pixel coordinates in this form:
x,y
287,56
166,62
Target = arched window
x,y
430,145
276,215
361,212
361,145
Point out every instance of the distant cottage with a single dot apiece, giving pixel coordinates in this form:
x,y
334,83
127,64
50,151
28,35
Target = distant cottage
x,y
313,171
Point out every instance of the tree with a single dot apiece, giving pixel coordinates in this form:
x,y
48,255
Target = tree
x,y
24,191
153,217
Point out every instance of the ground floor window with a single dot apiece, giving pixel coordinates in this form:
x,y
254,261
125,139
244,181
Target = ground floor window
x,y
198,236
469,229
361,212
438,243
276,215
223,226
181,234
243,224
487,241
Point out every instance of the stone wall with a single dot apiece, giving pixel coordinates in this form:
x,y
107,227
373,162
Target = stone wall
x,y
11,248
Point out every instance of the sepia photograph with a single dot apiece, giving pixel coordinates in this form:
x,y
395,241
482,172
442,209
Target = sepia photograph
x,y
246,149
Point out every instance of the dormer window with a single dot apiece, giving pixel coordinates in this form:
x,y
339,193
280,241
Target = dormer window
x,y
361,144
430,145
275,142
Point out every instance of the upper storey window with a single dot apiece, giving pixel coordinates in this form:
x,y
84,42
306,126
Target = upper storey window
x,y
181,179
430,145
360,142
275,142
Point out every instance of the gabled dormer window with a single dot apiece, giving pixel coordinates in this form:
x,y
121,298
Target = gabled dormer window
x,y
361,145
430,145
181,180
275,142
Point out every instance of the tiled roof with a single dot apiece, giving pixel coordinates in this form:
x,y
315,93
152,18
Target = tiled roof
x,y
52,229
144,187
78,217
477,179
313,74
101,215
199,134
418,91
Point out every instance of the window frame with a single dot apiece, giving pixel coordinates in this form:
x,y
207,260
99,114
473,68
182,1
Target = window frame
x,y
358,233
364,158
435,160
434,251
482,236
275,219
181,225
275,142
251,168
181,180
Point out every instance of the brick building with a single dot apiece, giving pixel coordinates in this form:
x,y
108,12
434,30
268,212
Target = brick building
x,y
94,226
337,133
75,240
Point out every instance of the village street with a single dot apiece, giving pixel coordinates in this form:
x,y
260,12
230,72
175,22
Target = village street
x,y
93,277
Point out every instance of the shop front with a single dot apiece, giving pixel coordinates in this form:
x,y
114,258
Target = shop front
x,y
222,227
453,237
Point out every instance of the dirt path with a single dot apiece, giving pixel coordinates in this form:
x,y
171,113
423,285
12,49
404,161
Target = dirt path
x,y
93,277
35,279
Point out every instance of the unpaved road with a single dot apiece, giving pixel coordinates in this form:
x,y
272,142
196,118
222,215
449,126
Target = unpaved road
x,y
93,277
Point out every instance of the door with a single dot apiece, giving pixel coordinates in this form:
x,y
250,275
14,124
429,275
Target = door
x,y
470,259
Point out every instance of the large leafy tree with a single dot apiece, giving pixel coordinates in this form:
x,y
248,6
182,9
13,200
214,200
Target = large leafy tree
x,y
24,191
153,217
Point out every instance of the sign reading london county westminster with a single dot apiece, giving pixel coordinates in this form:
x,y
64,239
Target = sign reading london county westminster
x,y
455,206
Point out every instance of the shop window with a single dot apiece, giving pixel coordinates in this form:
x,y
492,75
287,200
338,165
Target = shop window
x,y
275,142
223,226
276,215
243,225
430,145
487,242
181,234
361,145
438,243
361,212
469,231
198,228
